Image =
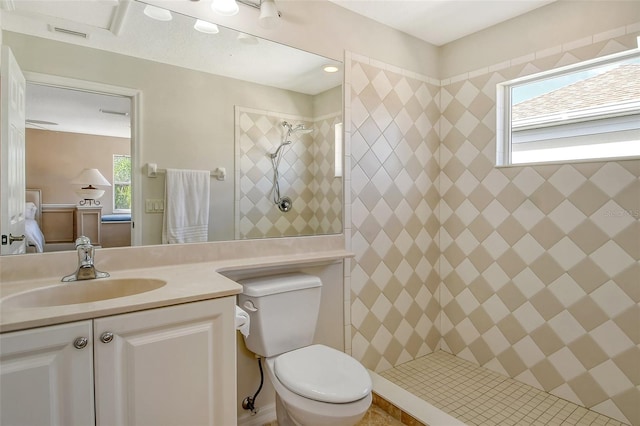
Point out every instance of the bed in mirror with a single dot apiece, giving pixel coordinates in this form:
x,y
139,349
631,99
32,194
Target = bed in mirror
x,y
107,86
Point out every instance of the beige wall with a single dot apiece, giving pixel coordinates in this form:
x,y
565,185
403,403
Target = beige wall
x,y
564,22
53,159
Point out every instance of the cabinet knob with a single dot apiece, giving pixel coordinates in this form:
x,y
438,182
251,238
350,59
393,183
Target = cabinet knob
x,y
106,337
80,343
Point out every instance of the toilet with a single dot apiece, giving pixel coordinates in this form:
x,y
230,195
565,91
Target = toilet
x,y
314,384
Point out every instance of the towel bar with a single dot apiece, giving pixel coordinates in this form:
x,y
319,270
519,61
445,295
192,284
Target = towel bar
x,y
220,173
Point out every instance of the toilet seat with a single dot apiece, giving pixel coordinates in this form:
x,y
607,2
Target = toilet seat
x,y
323,374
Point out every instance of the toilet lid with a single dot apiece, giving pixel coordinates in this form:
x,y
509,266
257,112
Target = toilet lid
x,y
323,374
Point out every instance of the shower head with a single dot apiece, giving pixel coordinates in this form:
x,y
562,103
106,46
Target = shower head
x,y
297,129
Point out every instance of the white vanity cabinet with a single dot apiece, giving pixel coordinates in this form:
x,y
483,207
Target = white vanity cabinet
x,y
171,366
46,376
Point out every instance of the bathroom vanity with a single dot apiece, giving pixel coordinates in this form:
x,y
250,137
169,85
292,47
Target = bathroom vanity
x,y
168,365
155,345
158,362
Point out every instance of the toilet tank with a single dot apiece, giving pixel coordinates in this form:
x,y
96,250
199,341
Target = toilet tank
x,y
283,312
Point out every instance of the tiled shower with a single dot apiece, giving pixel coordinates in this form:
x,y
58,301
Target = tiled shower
x,y
306,176
530,271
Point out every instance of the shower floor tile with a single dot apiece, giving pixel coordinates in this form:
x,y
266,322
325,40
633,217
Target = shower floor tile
x,y
479,396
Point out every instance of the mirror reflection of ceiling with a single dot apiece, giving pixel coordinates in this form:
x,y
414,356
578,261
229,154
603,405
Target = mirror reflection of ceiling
x,y
75,111
121,26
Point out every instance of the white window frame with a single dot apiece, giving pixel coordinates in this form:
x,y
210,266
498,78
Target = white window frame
x,y
504,131
113,162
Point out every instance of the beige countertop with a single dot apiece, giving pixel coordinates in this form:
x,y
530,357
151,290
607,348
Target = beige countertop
x,y
184,283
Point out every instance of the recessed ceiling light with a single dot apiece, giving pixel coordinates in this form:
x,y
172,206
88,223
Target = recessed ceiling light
x,y
225,7
330,68
157,13
206,27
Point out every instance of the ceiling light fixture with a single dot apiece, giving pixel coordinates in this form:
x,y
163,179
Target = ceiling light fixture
x,y
206,27
225,7
269,14
330,68
157,13
247,38
109,111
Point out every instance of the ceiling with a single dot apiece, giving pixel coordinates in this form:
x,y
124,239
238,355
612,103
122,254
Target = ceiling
x,y
440,21
121,26
435,21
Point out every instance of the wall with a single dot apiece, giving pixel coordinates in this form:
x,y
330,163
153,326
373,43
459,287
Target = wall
x,y
530,271
54,158
540,264
326,187
393,116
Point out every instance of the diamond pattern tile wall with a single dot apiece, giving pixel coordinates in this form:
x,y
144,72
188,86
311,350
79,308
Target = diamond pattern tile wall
x,y
533,271
306,176
327,188
394,219
559,245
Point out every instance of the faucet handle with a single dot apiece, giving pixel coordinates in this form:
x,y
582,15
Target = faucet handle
x,y
83,241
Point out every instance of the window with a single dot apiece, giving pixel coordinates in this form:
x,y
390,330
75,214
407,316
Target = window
x,y
122,184
585,111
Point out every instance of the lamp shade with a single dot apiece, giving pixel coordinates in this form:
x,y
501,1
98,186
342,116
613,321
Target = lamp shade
x,y
269,15
89,193
90,177
225,7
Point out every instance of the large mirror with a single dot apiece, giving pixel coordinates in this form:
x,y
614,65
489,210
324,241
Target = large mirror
x,y
263,118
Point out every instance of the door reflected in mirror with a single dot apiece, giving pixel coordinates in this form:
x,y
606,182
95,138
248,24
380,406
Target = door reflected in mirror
x,y
206,102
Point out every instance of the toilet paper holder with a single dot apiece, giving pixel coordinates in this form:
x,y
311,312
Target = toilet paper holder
x,y
242,321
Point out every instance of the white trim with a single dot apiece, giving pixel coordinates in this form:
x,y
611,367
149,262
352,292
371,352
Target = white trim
x,y
580,66
550,124
136,133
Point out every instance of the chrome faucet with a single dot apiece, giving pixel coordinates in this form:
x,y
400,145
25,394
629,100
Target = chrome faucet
x,y
86,269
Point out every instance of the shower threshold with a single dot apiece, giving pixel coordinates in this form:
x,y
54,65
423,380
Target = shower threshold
x,y
441,389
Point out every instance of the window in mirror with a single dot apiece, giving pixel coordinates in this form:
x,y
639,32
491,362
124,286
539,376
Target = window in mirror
x,y
122,184
338,150
590,110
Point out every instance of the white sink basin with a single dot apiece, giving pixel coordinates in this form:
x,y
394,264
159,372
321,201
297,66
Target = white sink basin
x,y
82,292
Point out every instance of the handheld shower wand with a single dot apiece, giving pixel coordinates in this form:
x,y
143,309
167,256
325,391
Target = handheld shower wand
x,y
283,203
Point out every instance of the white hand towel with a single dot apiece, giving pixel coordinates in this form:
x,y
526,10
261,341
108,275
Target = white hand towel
x,y
186,210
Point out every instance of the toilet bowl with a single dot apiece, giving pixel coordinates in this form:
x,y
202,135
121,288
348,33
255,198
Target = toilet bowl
x,y
314,384
307,391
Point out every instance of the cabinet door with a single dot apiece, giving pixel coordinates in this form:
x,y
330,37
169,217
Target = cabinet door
x,y
44,378
167,366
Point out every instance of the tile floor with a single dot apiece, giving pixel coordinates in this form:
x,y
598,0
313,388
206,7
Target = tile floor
x,y
479,396
375,416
